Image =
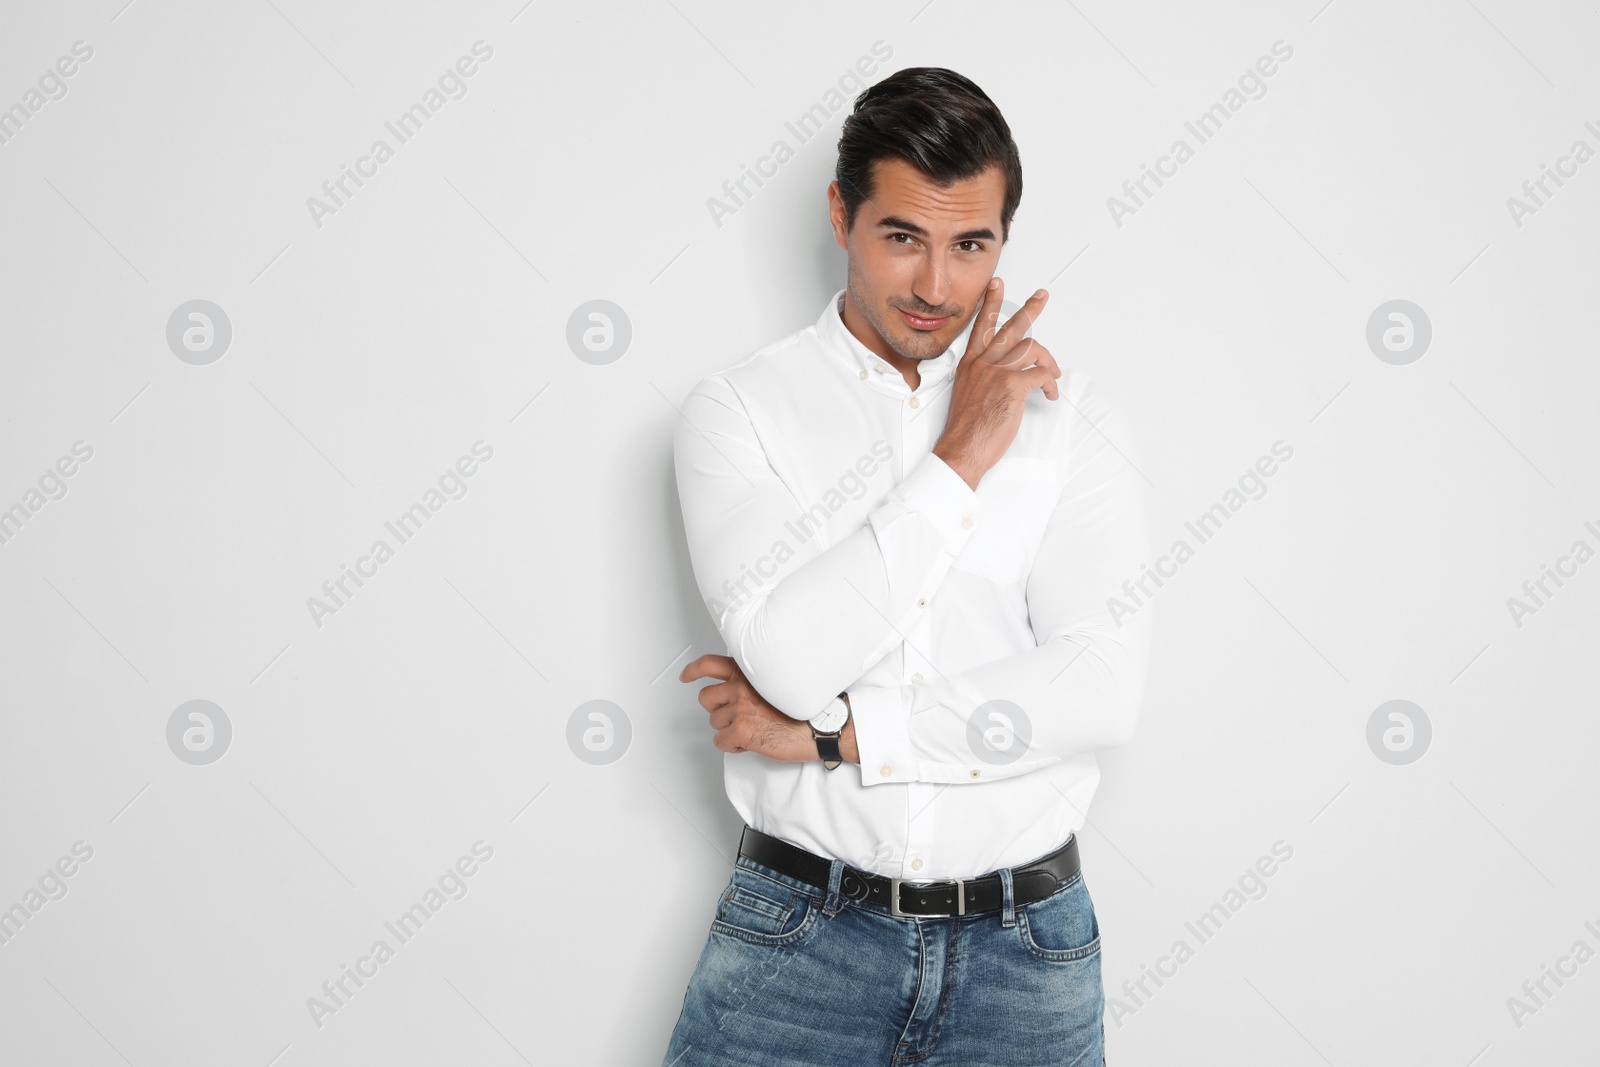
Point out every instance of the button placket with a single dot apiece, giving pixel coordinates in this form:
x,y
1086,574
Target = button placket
x,y
910,435
922,827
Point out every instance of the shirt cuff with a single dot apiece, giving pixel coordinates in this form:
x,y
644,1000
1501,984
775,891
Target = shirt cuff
x,y
883,737
935,491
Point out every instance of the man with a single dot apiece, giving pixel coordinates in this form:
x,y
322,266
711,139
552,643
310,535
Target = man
x,y
912,530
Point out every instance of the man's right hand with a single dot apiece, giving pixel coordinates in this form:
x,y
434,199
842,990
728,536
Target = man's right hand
x,y
993,378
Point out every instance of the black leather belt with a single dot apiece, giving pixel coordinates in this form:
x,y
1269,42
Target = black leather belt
x,y
1030,882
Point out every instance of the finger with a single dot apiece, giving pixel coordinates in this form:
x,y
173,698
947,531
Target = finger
x,y
1020,355
988,317
1043,358
709,665
1043,378
1016,326
730,739
717,696
1030,353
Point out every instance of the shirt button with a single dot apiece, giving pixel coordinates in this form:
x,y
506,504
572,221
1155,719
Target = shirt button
x,y
966,523
921,603
916,677
863,375
915,402
974,772
916,865
885,771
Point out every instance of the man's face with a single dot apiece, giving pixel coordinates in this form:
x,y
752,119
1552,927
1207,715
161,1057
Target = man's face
x,y
920,254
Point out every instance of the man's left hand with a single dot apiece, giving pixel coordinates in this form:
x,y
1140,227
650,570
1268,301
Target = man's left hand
x,y
742,717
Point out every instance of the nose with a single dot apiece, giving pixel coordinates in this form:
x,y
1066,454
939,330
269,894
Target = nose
x,y
932,282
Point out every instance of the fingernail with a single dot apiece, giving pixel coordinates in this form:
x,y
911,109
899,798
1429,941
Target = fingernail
x,y
1040,293
994,283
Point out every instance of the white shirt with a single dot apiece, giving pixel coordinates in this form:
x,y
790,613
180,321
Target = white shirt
x,y
837,553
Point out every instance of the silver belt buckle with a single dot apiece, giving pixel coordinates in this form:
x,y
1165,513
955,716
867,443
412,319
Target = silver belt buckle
x,y
894,901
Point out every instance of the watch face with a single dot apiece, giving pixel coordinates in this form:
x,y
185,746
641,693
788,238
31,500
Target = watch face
x,y
832,718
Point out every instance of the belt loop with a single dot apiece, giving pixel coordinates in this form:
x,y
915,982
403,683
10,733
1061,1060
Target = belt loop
x,y
835,874
1008,899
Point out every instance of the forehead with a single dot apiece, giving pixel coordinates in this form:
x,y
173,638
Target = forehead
x,y
901,190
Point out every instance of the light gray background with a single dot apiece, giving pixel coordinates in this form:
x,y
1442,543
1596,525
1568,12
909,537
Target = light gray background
x,y
430,312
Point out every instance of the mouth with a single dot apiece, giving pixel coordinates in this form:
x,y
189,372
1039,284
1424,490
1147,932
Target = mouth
x,y
916,322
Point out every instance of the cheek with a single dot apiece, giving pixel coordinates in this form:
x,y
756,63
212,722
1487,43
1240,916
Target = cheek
x,y
971,284
881,274
971,297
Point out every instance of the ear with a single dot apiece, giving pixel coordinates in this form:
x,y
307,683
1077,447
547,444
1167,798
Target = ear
x,y
836,214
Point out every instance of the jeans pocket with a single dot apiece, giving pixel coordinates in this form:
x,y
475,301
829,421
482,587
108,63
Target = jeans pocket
x,y
762,910
1061,928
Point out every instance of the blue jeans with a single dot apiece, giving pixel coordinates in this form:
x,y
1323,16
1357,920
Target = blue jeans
x,y
794,975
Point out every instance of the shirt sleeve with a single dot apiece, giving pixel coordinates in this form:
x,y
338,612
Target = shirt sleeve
x,y
1081,687
805,623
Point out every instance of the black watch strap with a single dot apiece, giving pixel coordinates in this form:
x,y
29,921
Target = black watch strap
x,y
828,748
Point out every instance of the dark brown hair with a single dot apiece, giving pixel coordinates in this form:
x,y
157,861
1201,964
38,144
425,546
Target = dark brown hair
x,y
936,120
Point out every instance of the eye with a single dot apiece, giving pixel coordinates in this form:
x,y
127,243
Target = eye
x,y
908,238
976,246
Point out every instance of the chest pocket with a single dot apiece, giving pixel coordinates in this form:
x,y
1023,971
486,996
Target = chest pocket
x,y
1018,495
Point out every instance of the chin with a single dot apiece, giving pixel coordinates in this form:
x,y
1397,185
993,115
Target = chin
x,y
907,349
922,346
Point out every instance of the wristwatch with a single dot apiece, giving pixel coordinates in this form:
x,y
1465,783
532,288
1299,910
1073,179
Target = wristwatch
x,y
826,727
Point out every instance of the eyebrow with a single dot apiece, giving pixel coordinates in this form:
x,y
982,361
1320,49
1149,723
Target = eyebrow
x,y
892,222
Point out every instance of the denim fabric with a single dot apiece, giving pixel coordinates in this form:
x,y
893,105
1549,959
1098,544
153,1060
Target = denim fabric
x,y
793,974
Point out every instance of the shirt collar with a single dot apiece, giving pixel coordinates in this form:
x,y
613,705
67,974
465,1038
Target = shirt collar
x,y
839,339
